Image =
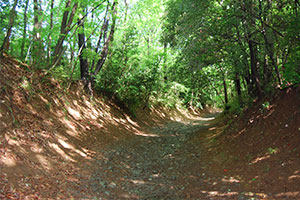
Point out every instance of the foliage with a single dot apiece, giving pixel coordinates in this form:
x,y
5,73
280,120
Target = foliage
x,y
172,52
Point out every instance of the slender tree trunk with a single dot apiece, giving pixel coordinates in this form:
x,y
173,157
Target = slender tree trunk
x,y
50,32
266,72
25,20
269,45
37,48
237,82
64,29
105,49
225,91
12,14
246,73
103,32
84,68
250,26
254,68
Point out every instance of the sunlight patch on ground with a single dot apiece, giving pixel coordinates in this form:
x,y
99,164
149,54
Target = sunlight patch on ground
x,y
3,124
231,194
138,182
74,113
43,99
65,144
130,121
230,180
140,133
219,194
94,114
294,177
72,129
215,135
206,118
241,132
56,148
56,101
260,159
68,146
8,161
44,162
11,140
35,148
288,194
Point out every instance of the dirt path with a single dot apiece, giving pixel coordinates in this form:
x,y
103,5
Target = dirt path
x,y
160,165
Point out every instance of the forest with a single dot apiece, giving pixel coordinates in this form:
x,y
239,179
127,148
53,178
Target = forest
x,y
149,99
192,53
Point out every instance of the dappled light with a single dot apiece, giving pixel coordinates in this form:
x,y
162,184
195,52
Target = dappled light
x,y
44,162
219,194
149,99
56,148
7,161
260,159
230,180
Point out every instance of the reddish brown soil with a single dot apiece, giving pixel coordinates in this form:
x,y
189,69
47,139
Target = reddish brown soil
x,y
62,145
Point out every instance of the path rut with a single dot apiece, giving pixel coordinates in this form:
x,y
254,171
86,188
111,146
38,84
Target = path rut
x,y
153,166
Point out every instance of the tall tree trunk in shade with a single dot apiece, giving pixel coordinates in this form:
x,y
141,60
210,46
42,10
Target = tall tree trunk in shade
x,y
5,45
25,20
237,82
64,29
37,47
84,67
249,24
105,49
269,45
50,32
254,63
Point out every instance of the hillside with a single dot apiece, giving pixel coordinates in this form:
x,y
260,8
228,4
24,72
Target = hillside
x,y
258,152
57,144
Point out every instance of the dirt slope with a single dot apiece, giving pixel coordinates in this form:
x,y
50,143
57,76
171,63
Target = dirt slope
x,y
259,151
62,145
47,134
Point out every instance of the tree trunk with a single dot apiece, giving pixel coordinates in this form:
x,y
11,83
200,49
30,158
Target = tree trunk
x,y
5,45
64,30
84,67
266,72
246,73
25,20
50,32
37,48
269,45
225,92
250,27
254,68
238,87
105,49
103,32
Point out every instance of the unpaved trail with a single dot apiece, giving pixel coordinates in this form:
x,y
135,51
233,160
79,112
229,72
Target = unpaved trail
x,y
161,164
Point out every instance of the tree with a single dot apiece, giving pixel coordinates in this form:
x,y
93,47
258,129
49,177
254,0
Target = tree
x,y
5,44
